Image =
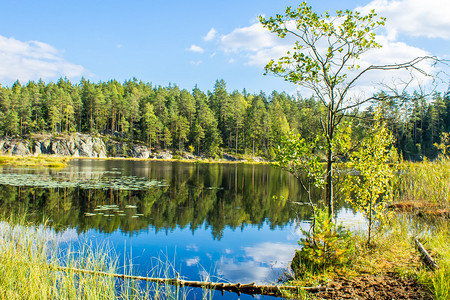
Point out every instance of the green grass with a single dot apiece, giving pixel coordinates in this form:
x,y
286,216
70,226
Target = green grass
x,y
29,257
435,236
426,186
35,161
393,250
427,181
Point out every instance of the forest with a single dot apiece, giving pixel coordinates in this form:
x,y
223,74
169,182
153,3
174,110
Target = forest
x,y
203,122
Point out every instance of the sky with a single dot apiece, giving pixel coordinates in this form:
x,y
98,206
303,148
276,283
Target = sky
x,y
188,43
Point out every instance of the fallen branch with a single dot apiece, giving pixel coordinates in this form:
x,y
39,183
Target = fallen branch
x,y
238,288
429,261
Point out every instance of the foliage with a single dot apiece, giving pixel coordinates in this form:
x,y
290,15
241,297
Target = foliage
x,y
444,145
170,117
371,189
324,60
299,157
327,245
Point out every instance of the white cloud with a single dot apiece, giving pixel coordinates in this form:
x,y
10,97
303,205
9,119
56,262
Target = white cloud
x,y
196,62
392,52
192,247
252,38
278,255
259,263
255,43
374,81
210,35
413,17
238,271
261,57
195,48
32,60
192,261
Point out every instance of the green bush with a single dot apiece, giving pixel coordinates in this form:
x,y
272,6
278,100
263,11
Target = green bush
x,y
326,245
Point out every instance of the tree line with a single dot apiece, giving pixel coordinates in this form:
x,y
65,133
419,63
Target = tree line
x,y
206,122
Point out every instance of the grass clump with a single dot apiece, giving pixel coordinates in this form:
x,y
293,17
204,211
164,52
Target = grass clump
x,y
30,261
35,161
28,257
424,187
426,181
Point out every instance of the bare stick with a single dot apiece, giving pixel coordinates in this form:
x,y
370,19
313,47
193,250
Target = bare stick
x,y
238,288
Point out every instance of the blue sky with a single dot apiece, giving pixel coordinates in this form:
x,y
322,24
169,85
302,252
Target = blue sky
x,y
185,42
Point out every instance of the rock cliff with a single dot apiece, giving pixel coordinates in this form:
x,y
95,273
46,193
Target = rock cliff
x,y
76,145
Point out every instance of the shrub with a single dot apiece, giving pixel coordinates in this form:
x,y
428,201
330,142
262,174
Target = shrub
x,y
324,246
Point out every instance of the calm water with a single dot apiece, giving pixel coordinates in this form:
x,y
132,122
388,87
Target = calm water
x,y
231,222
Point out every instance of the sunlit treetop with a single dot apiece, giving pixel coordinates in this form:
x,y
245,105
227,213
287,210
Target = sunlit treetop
x,y
326,46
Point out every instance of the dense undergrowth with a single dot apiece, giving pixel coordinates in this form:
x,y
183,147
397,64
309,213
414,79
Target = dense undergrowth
x,y
423,200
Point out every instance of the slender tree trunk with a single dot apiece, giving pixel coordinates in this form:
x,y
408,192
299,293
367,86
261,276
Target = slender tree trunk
x,y
237,130
198,146
370,220
243,139
253,146
113,118
329,175
329,182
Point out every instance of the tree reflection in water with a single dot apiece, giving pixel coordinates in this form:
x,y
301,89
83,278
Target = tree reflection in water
x,y
218,195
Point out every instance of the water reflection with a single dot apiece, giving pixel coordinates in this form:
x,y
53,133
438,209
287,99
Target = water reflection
x,y
220,195
223,221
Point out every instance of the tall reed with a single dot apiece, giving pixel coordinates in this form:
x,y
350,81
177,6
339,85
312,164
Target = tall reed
x,y
29,260
427,181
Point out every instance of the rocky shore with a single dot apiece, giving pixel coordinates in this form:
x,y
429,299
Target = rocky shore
x,y
86,145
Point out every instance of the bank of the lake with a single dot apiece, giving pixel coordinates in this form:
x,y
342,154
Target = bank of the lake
x,y
393,266
79,145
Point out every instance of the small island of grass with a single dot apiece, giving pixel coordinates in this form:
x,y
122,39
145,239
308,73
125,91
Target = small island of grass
x,y
35,161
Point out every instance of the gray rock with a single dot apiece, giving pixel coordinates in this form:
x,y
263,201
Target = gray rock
x,y
139,151
164,155
229,157
20,148
76,145
189,156
258,159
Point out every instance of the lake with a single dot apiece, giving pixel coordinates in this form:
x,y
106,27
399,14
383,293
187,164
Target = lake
x,y
224,222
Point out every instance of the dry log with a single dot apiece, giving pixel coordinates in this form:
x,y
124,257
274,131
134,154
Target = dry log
x,y
429,261
238,288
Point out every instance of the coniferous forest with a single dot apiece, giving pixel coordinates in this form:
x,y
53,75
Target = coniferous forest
x,y
179,119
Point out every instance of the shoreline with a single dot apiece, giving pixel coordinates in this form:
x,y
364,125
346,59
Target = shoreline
x,y
51,160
